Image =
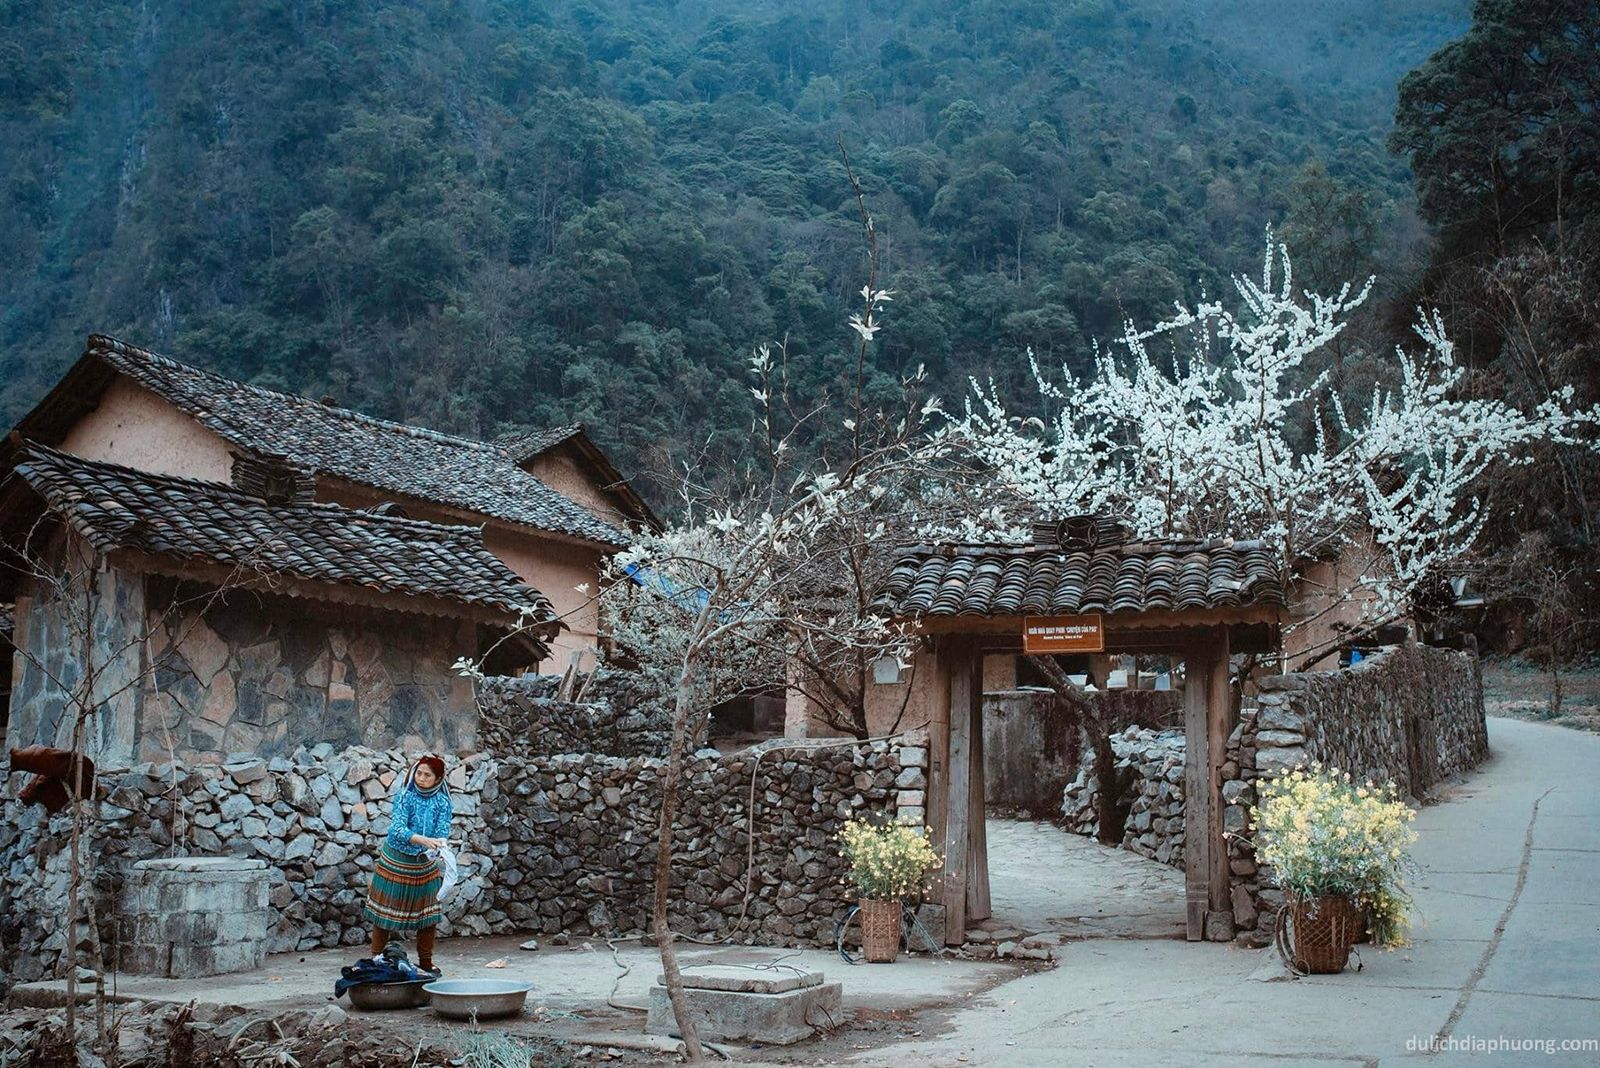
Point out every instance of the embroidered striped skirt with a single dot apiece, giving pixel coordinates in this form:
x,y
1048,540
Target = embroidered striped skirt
x,y
405,891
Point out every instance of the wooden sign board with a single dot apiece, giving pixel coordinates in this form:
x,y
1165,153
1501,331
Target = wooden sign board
x,y
1063,634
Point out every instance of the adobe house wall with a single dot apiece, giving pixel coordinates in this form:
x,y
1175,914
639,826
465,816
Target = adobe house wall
x,y
1329,606
562,472
888,703
557,569
135,428
553,567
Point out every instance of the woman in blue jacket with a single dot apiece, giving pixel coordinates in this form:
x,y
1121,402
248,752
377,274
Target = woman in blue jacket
x,y
405,883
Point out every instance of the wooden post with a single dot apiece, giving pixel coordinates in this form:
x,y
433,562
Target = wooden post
x,y
978,855
1219,724
965,685
939,753
1197,799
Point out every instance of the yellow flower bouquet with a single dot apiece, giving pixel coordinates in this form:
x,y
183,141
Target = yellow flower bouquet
x,y
887,863
1322,833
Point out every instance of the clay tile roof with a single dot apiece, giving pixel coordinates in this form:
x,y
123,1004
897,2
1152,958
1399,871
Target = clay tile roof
x,y
119,508
407,460
1004,580
531,443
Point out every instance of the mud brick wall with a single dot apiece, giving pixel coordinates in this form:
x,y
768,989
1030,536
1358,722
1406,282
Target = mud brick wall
x,y
1028,753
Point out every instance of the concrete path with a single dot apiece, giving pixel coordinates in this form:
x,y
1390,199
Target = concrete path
x,y
1507,949
1043,878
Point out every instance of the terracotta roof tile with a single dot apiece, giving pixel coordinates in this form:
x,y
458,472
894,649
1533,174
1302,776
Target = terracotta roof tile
x,y
412,461
119,508
1002,580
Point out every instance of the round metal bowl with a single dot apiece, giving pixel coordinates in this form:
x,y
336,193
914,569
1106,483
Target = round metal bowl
x,y
478,999
377,997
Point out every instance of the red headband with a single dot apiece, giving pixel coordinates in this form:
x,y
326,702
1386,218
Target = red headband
x,y
433,764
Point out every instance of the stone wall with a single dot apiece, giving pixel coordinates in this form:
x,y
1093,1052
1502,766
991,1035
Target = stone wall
x,y
1412,714
545,844
265,676
1152,795
245,673
579,835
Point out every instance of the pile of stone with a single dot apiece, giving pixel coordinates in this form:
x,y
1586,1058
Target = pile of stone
x,y
1152,794
616,717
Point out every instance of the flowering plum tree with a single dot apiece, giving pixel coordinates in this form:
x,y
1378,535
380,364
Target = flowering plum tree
x,y
1200,440
770,578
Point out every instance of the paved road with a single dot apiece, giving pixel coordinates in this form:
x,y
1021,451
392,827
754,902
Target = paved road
x,y
1093,890
1507,948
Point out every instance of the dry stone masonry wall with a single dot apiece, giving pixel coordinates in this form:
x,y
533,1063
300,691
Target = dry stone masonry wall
x,y
1412,715
545,843
1152,794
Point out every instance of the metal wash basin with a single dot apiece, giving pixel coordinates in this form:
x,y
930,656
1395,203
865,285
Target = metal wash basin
x,y
477,999
377,997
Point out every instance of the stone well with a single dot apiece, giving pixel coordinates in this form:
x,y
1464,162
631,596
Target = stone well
x,y
184,917
741,1003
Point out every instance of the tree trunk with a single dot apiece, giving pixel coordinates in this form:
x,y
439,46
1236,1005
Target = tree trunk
x,y
671,976
1105,764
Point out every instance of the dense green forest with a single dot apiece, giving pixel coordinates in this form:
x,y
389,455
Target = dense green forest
x,y
487,214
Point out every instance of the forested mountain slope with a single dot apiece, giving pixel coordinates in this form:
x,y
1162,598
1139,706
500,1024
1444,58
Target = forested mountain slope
x,y
484,214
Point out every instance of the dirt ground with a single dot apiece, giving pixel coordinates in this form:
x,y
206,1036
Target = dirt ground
x,y
1515,688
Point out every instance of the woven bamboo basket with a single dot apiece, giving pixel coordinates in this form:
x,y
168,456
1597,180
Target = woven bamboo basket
x,y
1321,932
880,930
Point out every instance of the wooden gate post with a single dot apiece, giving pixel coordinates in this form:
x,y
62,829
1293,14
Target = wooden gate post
x,y
1196,795
966,697
978,905
1219,725
1207,722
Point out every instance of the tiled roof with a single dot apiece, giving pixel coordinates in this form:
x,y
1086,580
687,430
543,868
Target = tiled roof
x,y
411,461
531,443
119,508
998,580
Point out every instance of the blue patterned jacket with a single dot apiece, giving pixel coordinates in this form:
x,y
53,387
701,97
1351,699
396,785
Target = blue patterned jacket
x,y
415,813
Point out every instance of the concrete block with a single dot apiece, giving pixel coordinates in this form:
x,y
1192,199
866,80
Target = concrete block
x,y
189,962
745,980
734,1016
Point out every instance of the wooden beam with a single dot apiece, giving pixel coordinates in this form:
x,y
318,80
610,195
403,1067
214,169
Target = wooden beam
x,y
1121,621
966,687
1219,724
1197,801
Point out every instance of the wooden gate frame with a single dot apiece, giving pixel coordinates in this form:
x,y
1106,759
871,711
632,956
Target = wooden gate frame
x,y
1203,638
